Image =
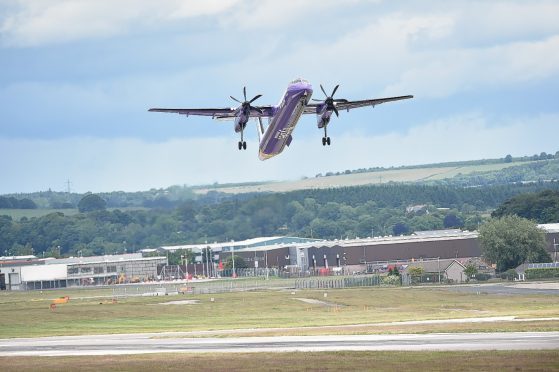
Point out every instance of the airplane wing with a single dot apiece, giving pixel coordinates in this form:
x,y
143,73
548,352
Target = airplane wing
x,y
348,105
216,113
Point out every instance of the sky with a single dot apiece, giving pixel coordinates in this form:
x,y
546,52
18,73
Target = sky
x,y
78,76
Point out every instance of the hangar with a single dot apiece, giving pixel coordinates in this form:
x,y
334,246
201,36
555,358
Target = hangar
x,y
357,254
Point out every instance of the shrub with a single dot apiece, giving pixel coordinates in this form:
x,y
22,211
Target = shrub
x,y
391,280
481,277
510,274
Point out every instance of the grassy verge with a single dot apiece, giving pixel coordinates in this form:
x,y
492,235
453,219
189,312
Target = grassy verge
x,y
351,361
28,314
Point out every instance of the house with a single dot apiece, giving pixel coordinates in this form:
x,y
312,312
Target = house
x,y
439,270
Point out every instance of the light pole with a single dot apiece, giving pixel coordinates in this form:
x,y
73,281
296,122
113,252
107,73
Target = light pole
x,y
439,267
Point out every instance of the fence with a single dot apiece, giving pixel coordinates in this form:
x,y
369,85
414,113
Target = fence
x,y
201,287
333,282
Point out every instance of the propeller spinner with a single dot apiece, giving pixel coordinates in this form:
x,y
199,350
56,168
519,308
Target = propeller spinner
x,y
246,105
330,101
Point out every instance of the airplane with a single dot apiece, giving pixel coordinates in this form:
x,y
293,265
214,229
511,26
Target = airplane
x,y
282,118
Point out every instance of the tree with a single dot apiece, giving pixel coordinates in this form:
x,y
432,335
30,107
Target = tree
x,y
416,271
470,271
91,202
240,263
542,207
511,241
452,221
508,159
400,228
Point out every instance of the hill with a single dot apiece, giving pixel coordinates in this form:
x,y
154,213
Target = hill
x,y
460,174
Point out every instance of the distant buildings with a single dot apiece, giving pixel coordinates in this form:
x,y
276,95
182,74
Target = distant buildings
x,y
450,249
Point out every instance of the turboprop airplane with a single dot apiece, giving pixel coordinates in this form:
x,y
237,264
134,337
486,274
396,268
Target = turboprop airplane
x,y
282,118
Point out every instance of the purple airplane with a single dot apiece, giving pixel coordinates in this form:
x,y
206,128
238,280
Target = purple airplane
x,y
282,118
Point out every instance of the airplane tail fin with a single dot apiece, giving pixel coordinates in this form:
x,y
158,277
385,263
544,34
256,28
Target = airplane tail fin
x,y
260,129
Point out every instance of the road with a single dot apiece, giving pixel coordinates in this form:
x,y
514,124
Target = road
x,y
171,342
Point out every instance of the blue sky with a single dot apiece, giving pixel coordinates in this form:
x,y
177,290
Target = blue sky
x,y
77,78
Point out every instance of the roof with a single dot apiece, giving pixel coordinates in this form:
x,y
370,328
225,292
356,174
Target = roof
x,y
244,244
267,243
92,259
549,227
104,261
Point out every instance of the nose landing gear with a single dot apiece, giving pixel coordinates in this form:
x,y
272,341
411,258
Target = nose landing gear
x,y
325,139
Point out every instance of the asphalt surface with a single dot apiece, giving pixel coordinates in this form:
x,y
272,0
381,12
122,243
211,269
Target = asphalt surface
x,y
169,342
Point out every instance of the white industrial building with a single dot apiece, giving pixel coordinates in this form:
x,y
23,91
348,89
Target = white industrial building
x,y
29,272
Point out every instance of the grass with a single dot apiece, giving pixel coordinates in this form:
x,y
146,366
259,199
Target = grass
x,y
326,361
27,314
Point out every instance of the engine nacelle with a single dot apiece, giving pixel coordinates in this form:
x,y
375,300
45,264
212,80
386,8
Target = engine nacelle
x,y
241,122
323,119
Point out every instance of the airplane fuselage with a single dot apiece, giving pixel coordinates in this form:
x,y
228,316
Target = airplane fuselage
x,y
284,120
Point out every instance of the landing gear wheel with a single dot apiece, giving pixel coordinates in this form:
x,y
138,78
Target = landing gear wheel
x,y
244,145
240,145
328,140
323,141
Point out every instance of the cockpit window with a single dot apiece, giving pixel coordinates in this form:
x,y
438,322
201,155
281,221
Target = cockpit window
x,y
299,80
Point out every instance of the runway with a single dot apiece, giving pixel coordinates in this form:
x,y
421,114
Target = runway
x,y
174,343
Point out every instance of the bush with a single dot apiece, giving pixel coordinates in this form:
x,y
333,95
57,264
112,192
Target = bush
x,y
482,277
391,280
510,274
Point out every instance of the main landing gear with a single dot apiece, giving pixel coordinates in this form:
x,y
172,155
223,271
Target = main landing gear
x,y
325,139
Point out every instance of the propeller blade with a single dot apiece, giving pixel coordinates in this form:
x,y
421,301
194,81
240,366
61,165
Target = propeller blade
x,y
245,92
255,98
335,89
234,99
335,110
323,91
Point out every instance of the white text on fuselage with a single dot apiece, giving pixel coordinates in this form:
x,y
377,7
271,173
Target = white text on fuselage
x,y
284,133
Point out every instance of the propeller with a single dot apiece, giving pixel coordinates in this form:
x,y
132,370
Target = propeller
x,y
246,105
329,101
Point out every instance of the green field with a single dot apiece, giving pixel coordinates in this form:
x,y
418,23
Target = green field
x,y
27,314
368,178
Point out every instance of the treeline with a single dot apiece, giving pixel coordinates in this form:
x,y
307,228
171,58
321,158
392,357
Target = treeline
x,y
540,171
391,209
542,207
13,203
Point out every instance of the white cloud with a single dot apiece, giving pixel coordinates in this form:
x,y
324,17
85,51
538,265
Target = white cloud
x,y
130,164
442,73
41,22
